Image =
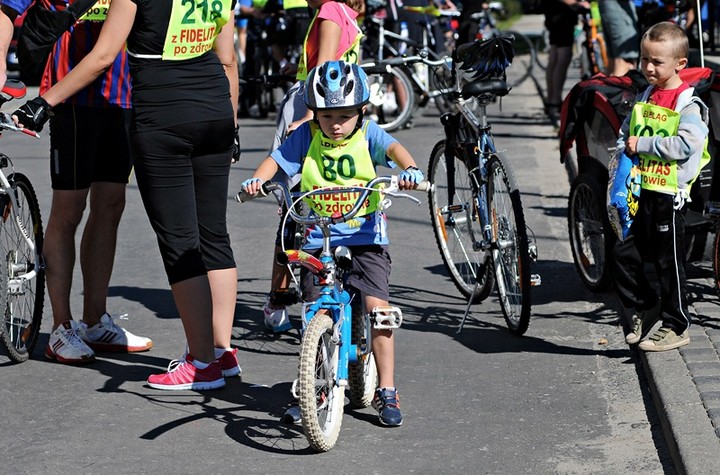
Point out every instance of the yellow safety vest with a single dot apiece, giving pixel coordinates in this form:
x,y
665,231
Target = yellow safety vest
x,y
335,164
290,4
649,120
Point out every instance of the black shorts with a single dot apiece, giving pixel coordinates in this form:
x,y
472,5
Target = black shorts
x,y
87,145
369,275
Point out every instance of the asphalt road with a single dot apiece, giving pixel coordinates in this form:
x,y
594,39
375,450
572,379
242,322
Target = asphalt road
x,y
568,397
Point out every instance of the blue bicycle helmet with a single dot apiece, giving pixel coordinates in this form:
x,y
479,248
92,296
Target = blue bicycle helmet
x,y
336,85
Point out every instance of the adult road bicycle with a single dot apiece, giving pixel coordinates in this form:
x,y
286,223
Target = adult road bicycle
x,y
336,347
476,210
22,271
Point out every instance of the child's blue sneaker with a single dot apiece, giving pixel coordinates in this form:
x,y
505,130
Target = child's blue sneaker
x,y
387,403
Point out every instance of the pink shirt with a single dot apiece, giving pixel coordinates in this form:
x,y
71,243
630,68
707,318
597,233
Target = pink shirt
x,y
334,12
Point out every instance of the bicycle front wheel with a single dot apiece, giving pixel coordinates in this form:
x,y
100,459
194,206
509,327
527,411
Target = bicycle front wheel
x,y
510,251
362,376
523,61
320,396
22,276
392,99
455,221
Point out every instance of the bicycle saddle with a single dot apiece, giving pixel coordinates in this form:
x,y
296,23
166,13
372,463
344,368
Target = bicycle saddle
x,y
479,87
14,88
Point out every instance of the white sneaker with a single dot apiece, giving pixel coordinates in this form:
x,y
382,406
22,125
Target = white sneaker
x,y
66,345
109,336
276,319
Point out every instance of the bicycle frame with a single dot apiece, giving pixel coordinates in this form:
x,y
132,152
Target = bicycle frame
x,y
476,162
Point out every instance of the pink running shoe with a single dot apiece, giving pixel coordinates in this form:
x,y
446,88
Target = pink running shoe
x,y
229,363
182,374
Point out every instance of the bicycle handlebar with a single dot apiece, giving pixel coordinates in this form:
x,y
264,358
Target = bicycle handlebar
x,y
384,65
364,192
6,123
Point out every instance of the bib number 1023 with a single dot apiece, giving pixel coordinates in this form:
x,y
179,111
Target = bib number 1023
x,y
206,10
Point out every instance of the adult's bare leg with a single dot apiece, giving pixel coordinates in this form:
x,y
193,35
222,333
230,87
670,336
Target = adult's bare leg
x,y
97,247
66,212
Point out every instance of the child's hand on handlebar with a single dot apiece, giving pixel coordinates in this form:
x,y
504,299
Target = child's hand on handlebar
x,y
251,186
410,178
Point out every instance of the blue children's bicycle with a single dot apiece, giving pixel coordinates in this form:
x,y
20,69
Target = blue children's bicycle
x,y
336,348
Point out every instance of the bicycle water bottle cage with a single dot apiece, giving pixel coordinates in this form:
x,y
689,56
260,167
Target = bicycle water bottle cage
x,y
386,318
284,297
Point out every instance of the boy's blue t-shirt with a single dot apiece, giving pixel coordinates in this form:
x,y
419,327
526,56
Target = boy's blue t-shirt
x,y
370,229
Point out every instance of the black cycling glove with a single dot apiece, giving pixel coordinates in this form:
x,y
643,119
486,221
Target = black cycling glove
x,y
33,114
237,150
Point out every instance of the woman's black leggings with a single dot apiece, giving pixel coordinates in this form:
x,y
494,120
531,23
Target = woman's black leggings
x,y
182,173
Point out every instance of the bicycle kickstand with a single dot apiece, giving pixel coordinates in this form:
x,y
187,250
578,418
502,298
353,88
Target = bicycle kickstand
x,y
467,308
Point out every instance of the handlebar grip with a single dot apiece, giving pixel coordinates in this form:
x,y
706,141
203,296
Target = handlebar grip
x,y
424,186
265,188
31,133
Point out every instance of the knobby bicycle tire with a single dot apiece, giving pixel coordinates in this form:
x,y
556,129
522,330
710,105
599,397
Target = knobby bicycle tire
x,y
362,376
392,99
523,61
588,231
21,299
455,227
511,258
321,399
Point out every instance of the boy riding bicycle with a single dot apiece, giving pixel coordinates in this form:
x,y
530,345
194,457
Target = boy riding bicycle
x,y
339,148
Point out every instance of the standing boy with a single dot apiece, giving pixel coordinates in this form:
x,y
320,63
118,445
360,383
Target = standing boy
x,y
667,130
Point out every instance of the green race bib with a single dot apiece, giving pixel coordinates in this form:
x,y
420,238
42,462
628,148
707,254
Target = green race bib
x,y
193,26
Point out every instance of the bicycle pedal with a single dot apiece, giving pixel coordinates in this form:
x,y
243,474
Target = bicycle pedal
x,y
386,318
535,280
284,297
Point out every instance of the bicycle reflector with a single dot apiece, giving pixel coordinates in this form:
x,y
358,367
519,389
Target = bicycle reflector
x,y
483,59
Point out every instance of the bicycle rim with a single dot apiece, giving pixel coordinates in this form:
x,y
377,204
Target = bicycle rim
x,y
321,398
22,277
586,228
454,216
392,99
523,60
510,250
